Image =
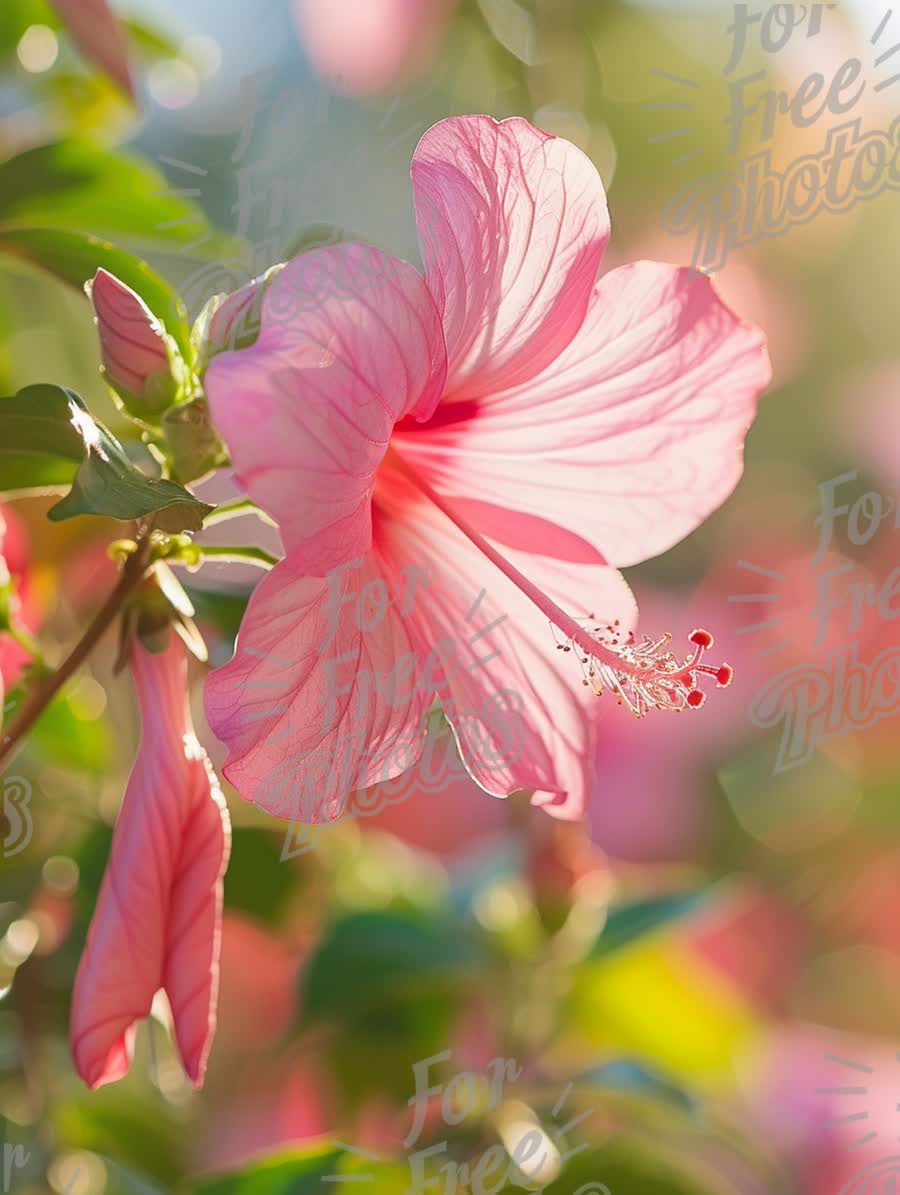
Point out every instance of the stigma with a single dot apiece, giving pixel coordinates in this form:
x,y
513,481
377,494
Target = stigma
x,y
645,675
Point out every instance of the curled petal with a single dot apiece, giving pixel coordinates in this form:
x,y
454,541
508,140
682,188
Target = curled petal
x,y
156,924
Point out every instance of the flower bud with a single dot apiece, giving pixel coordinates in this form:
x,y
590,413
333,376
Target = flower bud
x,y
138,360
232,321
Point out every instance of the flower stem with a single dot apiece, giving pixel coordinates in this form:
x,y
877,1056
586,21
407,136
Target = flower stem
x,y
235,510
38,700
242,555
26,641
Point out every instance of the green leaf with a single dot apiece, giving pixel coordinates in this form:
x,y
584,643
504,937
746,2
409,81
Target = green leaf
x,y
257,882
91,855
69,734
223,610
135,1131
393,983
302,1172
149,42
75,185
627,923
74,257
372,954
46,428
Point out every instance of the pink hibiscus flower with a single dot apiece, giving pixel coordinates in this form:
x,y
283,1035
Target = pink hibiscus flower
x,y
157,923
456,461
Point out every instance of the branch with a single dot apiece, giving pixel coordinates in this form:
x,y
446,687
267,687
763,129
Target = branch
x,y
38,700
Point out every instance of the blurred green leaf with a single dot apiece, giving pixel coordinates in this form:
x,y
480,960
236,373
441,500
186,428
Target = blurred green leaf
x,y
372,954
627,923
46,421
91,857
393,983
68,734
123,1180
17,15
302,1172
74,257
257,882
151,43
77,186
224,610
128,1125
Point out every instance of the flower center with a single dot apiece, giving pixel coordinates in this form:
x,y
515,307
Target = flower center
x,y
643,675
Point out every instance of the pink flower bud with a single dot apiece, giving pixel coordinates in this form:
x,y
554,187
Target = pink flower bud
x,y
134,348
233,321
99,36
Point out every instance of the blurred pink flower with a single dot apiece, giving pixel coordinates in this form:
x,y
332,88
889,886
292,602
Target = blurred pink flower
x,y
828,1101
100,37
818,604
868,419
157,923
403,427
367,46
435,806
14,558
651,792
752,938
259,1095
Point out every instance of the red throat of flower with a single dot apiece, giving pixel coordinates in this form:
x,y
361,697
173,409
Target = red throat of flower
x,y
643,675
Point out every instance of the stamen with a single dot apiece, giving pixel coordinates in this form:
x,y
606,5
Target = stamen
x,y
650,676
643,676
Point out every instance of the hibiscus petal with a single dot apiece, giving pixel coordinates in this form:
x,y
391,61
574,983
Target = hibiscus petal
x,y
512,226
195,915
325,692
350,343
162,851
522,717
638,426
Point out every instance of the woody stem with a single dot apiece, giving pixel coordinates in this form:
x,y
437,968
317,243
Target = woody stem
x,y
38,700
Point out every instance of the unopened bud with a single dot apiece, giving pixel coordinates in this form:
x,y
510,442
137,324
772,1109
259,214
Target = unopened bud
x,y
232,321
138,359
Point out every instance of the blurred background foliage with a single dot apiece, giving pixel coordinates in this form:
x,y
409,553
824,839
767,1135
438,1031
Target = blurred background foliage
x,y
681,982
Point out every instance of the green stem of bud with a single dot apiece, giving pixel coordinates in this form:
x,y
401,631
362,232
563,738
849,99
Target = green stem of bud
x,y
242,555
235,510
